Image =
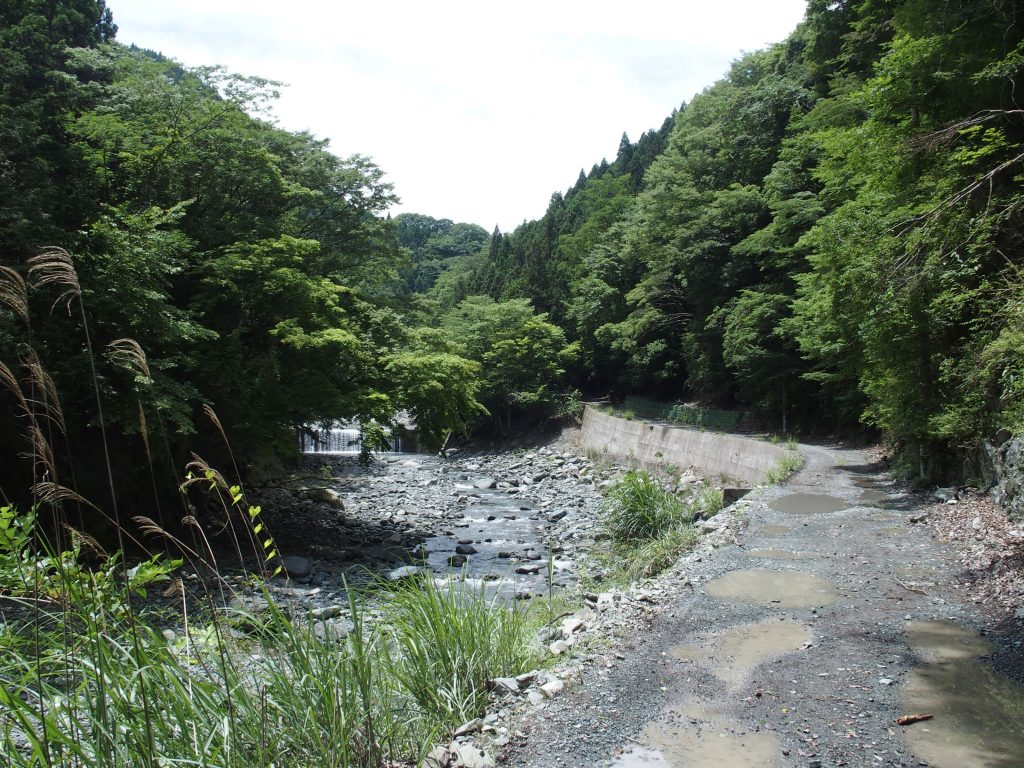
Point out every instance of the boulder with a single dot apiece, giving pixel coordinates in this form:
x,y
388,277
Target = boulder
x,y
297,567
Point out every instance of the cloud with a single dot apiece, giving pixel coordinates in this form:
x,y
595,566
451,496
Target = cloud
x,y
476,111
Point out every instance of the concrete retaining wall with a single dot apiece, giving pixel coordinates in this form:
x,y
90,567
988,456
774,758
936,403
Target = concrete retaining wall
x,y
721,458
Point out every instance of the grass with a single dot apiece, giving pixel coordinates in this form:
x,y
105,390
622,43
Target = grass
x,y
88,680
85,686
783,468
649,527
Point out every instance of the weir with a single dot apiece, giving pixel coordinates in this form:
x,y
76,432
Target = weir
x,y
348,439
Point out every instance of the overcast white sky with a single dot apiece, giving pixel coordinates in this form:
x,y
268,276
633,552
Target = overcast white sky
x,y
476,110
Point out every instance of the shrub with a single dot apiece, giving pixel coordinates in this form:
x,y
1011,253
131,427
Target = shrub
x,y
637,507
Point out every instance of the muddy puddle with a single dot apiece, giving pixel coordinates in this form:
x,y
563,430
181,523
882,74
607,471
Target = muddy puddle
x,y
893,530
780,554
733,654
787,589
808,504
978,716
774,530
701,738
871,496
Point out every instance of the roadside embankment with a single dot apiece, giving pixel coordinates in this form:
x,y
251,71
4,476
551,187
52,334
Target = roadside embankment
x,y
728,458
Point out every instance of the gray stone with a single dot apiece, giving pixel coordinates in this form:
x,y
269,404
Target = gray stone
x,y
485,482
504,685
1007,458
470,756
457,561
297,567
529,569
553,688
333,630
472,726
327,496
465,549
327,612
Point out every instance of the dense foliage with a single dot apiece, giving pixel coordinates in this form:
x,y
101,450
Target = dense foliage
x,y
830,233
257,271
827,235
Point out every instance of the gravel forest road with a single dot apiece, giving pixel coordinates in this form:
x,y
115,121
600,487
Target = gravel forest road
x,y
801,644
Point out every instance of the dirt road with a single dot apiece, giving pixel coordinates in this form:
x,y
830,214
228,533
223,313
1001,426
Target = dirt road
x,y
800,645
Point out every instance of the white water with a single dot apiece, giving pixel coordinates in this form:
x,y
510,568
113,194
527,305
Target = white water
x,y
344,440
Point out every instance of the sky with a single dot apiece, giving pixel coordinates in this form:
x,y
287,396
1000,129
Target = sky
x,y
476,110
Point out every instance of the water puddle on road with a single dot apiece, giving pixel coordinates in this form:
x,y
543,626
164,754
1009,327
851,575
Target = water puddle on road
x,y
978,716
787,589
701,738
780,554
870,496
732,655
773,530
808,504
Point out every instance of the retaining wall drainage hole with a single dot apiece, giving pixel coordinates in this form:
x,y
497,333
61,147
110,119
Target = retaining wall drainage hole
x,y
808,504
978,716
732,655
701,739
787,589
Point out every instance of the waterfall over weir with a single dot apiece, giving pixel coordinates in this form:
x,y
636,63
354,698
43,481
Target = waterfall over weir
x,y
348,439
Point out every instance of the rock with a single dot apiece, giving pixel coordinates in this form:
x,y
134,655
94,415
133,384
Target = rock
x,y
297,567
406,572
504,685
553,688
558,647
1007,456
714,524
465,549
526,678
438,757
327,612
457,561
535,697
333,630
554,517
327,496
472,726
470,756
571,625
529,569
485,482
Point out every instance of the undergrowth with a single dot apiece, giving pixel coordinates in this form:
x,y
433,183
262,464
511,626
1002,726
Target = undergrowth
x,y
788,464
88,678
649,527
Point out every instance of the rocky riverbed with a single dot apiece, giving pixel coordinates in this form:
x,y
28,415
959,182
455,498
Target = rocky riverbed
x,y
518,523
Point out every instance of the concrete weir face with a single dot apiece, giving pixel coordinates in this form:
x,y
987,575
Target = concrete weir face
x,y
730,459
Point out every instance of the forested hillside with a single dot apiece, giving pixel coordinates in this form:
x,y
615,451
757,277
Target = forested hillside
x,y
830,232
831,229
255,271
